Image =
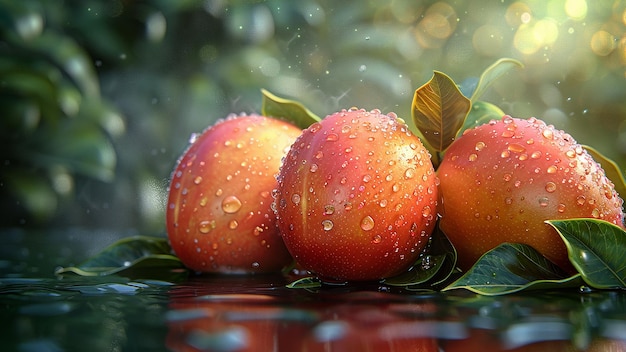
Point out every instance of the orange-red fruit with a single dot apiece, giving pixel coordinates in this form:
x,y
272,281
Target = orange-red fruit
x,y
219,216
502,180
357,197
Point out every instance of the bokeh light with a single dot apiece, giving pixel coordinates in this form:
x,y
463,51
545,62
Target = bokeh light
x,y
171,70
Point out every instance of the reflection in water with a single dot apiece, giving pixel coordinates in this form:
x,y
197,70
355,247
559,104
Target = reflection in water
x,y
221,313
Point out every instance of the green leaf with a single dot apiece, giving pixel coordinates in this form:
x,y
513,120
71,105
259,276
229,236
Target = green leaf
x,y
433,267
424,270
492,73
481,113
439,109
596,248
513,267
611,170
306,283
289,110
131,257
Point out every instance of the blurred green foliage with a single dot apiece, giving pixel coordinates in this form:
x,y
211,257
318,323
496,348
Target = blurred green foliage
x,y
99,97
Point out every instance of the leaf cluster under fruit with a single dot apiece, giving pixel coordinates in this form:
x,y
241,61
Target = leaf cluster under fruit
x,y
441,112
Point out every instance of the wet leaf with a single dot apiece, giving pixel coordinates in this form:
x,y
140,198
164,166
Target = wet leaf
x,y
513,267
433,267
481,113
492,73
596,248
132,256
439,110
289,110
306,283
420,273
611,169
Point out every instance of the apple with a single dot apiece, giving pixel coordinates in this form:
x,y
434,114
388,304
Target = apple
x,y
219,216
356,197
500,182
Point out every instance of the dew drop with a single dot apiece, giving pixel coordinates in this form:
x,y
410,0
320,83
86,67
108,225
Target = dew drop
x,y
376,239
315,127
543,201
367,178
551,169
505,154
426,212
479,146
580,200
472,157
595,213
233,224
550,187
206,226
231,204
516,148
560,208
409,173
327,225
313,168
197,180
367,223
535,155
507,177
547,133
508,133
332,137
295,198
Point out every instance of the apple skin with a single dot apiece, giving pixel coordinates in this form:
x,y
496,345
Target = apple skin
x,y
357,197
500,182
219,217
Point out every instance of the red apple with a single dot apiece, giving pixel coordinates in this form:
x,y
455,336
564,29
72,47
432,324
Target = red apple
x,y
219,216
357,197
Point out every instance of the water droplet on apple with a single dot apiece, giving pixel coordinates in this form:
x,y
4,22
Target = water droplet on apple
x,y
206,226
231,204
550,187
367,223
